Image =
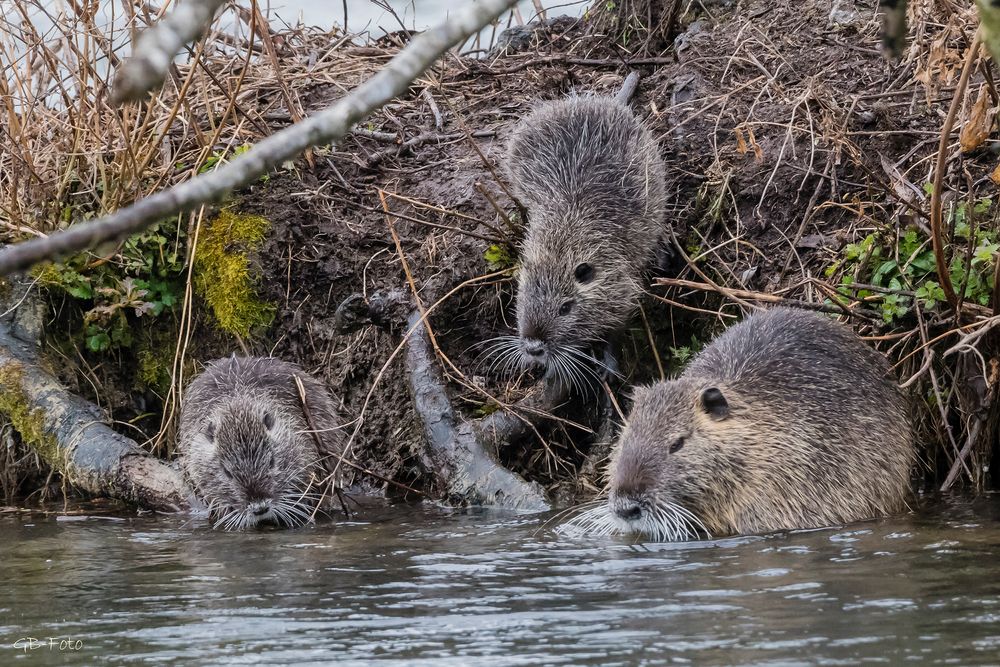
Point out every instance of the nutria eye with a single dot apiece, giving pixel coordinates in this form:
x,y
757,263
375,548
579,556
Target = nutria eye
x,y
566,307
584,273
268,421
676,447
210,432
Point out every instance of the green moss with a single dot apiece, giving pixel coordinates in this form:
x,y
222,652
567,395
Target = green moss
x,y
222,272
156,361
66,278
30,423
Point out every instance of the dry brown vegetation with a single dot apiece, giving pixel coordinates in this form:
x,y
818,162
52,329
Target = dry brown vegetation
x,y
803,165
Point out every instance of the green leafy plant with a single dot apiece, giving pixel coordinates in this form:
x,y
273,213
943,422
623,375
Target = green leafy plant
x,y
145,279
498,257
221,156
902,272
682,355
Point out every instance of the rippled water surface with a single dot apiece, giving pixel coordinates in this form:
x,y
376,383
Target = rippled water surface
x,y
411,585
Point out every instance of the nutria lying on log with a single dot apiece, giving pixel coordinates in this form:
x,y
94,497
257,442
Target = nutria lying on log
x,y
592,179
787,420
250,449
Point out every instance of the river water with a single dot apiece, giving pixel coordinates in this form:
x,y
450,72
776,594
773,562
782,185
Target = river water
x,y
415,14
412,585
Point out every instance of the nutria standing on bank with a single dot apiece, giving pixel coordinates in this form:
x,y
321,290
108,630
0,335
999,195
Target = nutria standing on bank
x,y
592,179
246,445
787,420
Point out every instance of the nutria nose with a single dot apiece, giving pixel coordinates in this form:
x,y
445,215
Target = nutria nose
x,y
626,506
629,510
534,348
260,508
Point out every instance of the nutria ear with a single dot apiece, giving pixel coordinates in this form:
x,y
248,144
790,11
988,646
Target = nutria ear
x,y
268,421
714,403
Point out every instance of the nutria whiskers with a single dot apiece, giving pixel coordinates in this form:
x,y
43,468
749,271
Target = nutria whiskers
x,y
247,448
787,420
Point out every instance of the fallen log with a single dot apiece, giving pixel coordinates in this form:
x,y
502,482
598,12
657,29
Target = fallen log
x,y
458,459
70,433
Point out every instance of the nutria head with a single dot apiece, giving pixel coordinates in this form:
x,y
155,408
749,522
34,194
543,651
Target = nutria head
x,y
569,297
787,420
678,465
251,465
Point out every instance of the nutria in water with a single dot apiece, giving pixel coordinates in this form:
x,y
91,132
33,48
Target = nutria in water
x,y
592,179
247,448
786,421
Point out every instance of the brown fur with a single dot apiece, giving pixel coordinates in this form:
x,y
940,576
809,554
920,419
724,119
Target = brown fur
x,y
245,444
811,430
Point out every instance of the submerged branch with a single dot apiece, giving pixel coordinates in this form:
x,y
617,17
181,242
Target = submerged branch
x,y
327,126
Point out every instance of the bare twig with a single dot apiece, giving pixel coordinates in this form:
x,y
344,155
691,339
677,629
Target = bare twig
x,y
652,343
742,296
937,233
514,230
156,47
959,463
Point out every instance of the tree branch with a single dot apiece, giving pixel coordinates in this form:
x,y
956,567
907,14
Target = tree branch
x,y
69,432
327,126
156,47
463,466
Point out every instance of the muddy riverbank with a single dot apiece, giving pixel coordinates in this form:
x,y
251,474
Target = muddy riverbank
x,y
799,161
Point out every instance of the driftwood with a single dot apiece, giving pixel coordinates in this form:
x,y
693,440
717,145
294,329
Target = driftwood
x,y
506,426
329,125
73,437
456,456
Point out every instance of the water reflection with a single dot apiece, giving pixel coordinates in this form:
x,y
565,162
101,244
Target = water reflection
x,y
413,585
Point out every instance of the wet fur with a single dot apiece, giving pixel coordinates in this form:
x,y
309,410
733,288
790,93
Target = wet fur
x,y
592,179
818,432
233,460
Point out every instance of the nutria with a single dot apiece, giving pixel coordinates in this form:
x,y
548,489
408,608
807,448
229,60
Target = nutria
x,y
246,445
592,180
786,421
